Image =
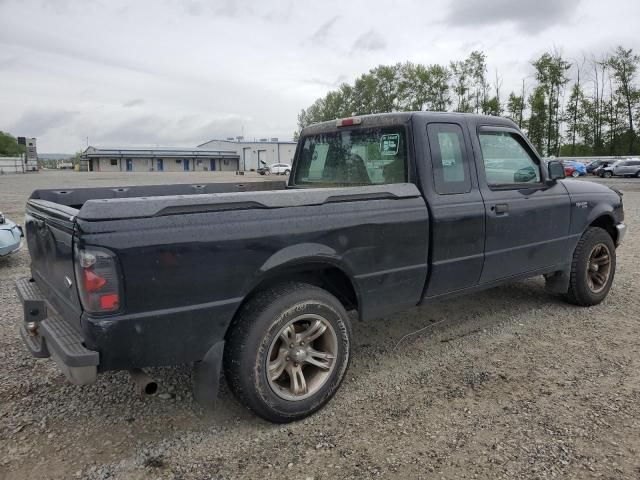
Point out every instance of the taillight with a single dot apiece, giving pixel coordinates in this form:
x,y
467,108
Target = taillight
x,y
97,279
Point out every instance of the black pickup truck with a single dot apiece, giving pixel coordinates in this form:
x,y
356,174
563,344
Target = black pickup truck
x,y
380,213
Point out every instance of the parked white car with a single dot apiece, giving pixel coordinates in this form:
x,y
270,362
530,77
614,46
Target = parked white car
x,y
280,169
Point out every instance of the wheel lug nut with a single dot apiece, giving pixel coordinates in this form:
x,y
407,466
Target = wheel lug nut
x,y
295,364
301,343
288,359
291,346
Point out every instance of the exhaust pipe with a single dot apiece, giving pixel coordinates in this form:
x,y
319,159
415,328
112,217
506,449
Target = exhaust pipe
x,y
144,383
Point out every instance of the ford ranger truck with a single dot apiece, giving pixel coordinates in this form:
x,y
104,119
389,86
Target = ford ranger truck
x,y
380,213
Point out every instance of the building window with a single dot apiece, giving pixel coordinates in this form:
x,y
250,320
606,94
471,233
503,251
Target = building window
x,y
178,160
114,162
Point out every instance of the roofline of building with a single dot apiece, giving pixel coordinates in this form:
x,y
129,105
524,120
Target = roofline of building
x,y
156,152
245,142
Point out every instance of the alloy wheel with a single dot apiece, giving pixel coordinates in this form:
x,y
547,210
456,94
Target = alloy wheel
x,y
598,268
302,357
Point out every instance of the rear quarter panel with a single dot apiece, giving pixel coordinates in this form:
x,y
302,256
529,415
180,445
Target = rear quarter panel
x,y
190,272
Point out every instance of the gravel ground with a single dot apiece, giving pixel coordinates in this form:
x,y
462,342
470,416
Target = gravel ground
x,y
513,383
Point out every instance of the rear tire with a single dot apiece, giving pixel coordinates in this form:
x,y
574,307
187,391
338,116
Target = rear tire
x,y
287,172
575,174
637,174
593,268
288,351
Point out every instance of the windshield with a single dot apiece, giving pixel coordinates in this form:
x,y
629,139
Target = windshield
x,y
363,156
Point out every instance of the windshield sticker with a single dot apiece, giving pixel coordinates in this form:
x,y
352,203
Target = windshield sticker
x,y
389,144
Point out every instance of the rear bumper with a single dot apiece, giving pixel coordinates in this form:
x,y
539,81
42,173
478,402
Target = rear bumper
x,y
622,230
46,334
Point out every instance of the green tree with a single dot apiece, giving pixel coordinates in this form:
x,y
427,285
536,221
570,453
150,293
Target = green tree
x,y
515,108
9,146
477,65
551,74
461,84
624,65
538,120
574,114
423,87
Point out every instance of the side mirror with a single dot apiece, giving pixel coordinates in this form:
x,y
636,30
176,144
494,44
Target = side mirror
x,y
555,169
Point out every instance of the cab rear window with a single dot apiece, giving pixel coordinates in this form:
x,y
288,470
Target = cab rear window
x,y
352,157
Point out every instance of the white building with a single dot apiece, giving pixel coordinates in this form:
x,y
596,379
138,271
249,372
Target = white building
x,y
269,151
31,157
158,159
11,165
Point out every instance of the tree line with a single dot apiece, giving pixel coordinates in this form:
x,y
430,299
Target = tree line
x,y
566,107
9,146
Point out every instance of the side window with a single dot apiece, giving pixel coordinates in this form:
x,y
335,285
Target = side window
x,y
448,158
507,160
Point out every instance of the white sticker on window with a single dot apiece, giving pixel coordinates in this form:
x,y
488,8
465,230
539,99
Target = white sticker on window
x,y
389,144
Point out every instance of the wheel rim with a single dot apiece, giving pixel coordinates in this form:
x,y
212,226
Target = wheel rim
x,y
598,268
575,174
302,357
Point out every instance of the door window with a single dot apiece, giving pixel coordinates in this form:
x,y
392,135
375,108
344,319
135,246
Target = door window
x,y
507,159
448,158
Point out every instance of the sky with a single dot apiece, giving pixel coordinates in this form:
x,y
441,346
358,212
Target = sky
x,y
181,72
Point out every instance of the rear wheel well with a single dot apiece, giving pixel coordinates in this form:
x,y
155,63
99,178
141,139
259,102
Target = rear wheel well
x,y
328,277
606,223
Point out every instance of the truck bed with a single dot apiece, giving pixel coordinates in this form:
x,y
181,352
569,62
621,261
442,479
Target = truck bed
x,y
105,203
76,198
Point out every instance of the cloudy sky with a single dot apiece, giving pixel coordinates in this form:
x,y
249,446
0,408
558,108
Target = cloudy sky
x,y
180,72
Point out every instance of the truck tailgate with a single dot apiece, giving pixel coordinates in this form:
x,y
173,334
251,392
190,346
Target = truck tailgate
x,y
49,233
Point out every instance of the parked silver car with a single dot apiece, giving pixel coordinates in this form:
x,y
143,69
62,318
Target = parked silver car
x,y
280,169
10,236
622,168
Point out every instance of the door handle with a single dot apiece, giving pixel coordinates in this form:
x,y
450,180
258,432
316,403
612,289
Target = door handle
x,y
501,208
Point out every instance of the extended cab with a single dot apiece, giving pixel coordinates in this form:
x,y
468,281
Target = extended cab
x,y
380,213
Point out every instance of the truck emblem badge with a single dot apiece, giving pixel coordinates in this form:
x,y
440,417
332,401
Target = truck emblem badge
x,y
582,204
68,281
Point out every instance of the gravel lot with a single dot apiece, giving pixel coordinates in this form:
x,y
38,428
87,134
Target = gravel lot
x,y
513,383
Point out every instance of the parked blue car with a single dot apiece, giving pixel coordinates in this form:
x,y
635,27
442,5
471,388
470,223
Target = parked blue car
x,y
10,236
574,169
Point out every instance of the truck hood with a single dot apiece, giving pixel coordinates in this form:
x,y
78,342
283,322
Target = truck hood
x,y
577,187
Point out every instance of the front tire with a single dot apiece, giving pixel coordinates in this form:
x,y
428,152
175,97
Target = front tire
x,y
593,268
575,174
288,351
607,174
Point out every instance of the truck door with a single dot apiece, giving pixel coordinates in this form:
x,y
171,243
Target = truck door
x,y
527,221
457,210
